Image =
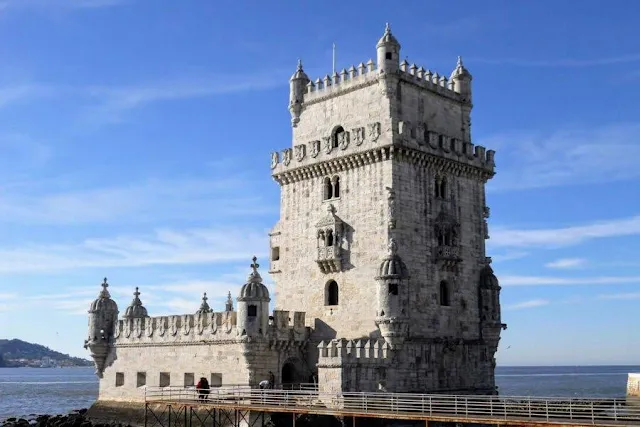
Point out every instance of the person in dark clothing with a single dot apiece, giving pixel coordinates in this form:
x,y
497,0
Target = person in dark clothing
x,y
203,389
272,380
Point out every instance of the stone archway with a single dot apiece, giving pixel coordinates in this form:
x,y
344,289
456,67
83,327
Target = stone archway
x,y
291,373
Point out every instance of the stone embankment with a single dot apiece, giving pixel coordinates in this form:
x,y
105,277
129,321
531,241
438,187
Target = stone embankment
x,y
76,418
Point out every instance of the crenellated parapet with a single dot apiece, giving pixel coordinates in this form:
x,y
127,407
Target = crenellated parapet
x,y
363,145
340,83
205,327
342,352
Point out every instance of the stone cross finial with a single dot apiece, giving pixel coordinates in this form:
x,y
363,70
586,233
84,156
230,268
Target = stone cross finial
x,y
105,293
459,64
204,298
299,64
255,265
105,285
387,28
229,304
136,293
392,246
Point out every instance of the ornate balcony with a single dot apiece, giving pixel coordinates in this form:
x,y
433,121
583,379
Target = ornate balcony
x,y
450,253
329,259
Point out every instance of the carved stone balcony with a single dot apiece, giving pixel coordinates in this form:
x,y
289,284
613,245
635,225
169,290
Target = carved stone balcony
x,y
329,259
448,257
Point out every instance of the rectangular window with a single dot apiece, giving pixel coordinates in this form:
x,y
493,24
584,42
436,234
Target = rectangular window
x,y
189,380
393,289
119,379
275,253
252,311
141,379
216,380
165,379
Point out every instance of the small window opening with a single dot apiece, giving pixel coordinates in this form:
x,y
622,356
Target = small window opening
x,y
165,379
141,379
445,238
216,380
444,293
388,55
119,379
275,253
329,238
335,138
189,380
440,188
336,186
252,311
328,189
332,293
393,289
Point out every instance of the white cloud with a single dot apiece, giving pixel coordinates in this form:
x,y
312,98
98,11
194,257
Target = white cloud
x,y
508,280
556,237
566,263
527,304
622,296
508,256
565,157
163,247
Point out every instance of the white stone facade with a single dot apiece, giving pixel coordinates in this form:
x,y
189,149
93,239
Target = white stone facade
x,y
382,281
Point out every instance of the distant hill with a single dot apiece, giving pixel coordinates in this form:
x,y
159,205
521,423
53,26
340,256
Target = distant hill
x,y
18,353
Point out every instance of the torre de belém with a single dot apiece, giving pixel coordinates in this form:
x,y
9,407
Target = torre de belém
x,y
378,258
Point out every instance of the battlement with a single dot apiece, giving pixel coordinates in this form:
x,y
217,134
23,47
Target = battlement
x,y
364,74
216,326
363,146
341,351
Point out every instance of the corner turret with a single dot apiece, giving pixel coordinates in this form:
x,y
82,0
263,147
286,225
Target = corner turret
x,y
388,50
103,315
297,88
136,309
391,318
461,80
253,305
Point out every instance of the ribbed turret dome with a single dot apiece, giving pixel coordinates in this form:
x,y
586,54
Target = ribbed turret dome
x,y
299,74
254,289
104,301
392,267
136,308
387,38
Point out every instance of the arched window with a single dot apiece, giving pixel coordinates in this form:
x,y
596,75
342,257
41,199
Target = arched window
x,y
444,293
328,189
440,187
335,137
336,186
329,235
331,293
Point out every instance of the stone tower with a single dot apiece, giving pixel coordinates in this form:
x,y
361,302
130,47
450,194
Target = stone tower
x,y
103,316
383,217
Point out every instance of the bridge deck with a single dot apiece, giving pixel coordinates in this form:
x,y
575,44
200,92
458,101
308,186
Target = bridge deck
x,y
520,411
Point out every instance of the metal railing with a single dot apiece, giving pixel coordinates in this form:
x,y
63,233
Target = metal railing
x,y
398,405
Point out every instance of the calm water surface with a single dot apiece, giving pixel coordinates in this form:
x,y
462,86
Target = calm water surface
x,y
25,391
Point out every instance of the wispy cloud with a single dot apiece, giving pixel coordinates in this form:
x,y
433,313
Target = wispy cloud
x,y
13,93
565,157
527,304
621,296
163,247
508,256
560,62
566,236
566,263
513,280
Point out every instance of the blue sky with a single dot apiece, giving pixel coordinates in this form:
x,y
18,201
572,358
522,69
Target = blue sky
x,y
135,139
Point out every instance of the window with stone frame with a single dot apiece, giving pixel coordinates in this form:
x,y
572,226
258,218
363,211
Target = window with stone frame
x,y
216,380
141,379
119,379
440,187
252,310
189,379
331,188
335,136
331,293
165,379
444,294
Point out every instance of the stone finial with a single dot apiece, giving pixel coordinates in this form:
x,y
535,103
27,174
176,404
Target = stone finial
x,y
459,63
135,309
254,265
300,64
392,247
204,306
229,304
331,209
254,276
105,293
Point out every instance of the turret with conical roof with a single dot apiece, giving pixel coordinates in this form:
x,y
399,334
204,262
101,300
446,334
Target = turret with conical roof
x,y
135,309
253,304
461,80
297,88
392,317
103,315
388,50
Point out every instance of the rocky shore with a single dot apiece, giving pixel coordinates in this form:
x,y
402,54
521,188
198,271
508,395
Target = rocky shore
x,y
76,418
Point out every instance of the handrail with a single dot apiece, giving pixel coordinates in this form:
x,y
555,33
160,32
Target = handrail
x,y
427,405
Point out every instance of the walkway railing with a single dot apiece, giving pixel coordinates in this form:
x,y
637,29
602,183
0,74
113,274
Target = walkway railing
x,y
409,405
